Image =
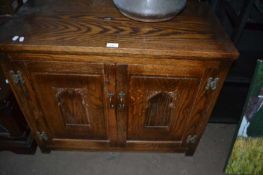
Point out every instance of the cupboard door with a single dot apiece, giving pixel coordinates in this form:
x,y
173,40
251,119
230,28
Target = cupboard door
x,y
160,101
72,99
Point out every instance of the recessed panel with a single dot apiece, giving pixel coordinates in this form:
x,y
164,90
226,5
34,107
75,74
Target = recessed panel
x,y
159,106
159,109
73,106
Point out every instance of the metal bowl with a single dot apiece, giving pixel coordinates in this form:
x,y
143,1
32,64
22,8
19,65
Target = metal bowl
x,y
150,10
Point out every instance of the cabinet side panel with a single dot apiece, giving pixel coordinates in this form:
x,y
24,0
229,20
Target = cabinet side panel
x,y
204,104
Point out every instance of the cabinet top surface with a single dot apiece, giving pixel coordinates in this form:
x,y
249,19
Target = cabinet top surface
x,y
86,26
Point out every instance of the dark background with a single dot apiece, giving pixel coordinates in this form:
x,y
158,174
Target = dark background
x,y
250,45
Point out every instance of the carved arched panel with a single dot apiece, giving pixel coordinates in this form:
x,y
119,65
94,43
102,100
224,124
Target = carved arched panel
x,y
159,109
72,105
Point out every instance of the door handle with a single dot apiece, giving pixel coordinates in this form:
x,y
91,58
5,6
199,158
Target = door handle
x,y
111,95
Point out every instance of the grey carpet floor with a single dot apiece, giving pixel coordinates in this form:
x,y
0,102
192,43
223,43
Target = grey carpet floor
x,y
209,159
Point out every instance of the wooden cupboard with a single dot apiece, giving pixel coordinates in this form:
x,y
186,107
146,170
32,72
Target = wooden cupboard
x,y
142,96
90,105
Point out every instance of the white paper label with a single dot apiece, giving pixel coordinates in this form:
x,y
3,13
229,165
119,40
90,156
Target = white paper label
x,y
112,45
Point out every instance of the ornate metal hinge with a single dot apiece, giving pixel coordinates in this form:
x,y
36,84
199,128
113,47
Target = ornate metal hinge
x,y
17,78
212,83
191,139
43,136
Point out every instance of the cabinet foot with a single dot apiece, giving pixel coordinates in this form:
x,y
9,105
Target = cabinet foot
x,y
190,152
45,150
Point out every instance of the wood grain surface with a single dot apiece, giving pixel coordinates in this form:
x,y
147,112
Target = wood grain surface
x,y
85,26
150,94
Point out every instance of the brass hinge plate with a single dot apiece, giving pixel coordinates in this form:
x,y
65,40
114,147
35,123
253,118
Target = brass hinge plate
x,y
17,77
212,83
18,80
191,139
43,136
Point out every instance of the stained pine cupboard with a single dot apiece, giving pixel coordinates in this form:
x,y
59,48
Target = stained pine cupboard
x,y
150,94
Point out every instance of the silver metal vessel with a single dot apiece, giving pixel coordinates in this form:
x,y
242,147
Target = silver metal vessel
x,y
150,10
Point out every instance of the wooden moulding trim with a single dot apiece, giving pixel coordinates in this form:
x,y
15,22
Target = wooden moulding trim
x,y
73,58
104,145
117,51
153,142
121,149
108,141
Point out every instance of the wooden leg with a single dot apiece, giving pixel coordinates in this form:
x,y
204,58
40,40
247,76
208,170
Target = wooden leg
x,y
221,14
244,16
190,151
45,150
215,5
